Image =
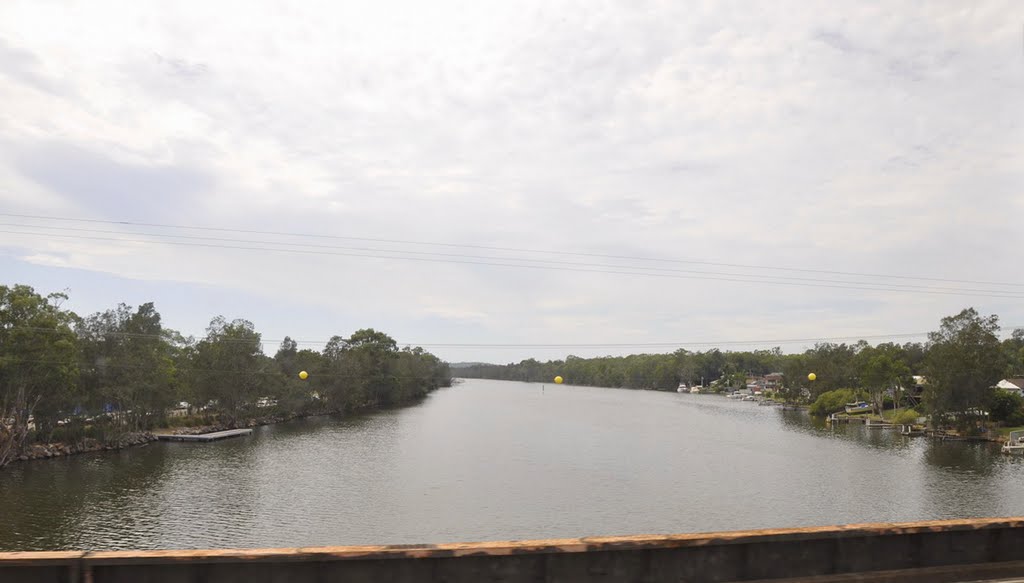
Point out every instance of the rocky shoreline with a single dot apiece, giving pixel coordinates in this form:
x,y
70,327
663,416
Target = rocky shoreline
x,y
266,420
39,451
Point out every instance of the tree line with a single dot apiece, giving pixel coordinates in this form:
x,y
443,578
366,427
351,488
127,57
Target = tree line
x,y
961,363
122,370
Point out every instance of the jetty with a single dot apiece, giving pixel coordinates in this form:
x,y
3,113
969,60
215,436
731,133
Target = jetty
x,y
204,437
838,418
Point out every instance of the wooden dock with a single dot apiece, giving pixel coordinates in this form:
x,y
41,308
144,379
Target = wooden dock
x,y
203,437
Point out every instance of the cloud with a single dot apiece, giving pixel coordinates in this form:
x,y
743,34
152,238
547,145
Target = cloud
x,y
858,139
99,185
24,67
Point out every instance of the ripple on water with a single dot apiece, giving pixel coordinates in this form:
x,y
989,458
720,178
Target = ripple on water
x,y
492,460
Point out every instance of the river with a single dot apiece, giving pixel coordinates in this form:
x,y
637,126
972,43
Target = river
x,y
487,460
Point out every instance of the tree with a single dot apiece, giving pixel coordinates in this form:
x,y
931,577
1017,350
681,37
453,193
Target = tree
x,y
833,365
880,371
228,367
38,364
336,379
1013,348
120,370
1006,406
127,367
371,352
965,360
794,374
285,357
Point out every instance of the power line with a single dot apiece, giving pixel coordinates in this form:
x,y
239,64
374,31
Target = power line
x,y
511,249
861,287
122,366
548,345
764,278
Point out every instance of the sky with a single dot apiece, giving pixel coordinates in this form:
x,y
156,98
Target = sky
x,y
503,180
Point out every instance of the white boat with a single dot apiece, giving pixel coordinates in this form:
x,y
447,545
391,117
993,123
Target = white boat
x,y
1015,443
682,388
695,390
749,398
858,407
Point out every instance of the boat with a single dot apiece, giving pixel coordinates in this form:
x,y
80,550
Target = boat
x,y
695,390
858,407
1015,443
749,398
682,388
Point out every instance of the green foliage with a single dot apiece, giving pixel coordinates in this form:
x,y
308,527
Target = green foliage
x,y
661,372
38,364
120,370
881,370
1013,350
834,401
965,360
833,365
229,371
127,363
1006,408
905,417
191,421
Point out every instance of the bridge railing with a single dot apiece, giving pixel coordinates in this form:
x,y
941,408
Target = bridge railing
x,y
954,550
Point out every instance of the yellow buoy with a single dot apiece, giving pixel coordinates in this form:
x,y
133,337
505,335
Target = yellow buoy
x,y
303,375
812,376
558,380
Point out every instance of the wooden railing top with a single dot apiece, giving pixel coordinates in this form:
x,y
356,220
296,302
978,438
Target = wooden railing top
x,y
571,545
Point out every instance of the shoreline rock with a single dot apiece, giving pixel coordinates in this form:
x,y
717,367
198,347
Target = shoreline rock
x,y
257,422
38,451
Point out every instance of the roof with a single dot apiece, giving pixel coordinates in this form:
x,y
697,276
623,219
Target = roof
x,y
1014,383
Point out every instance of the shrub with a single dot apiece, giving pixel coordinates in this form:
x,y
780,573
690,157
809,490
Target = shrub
x,y
834,401
191,421
906,417
1006,407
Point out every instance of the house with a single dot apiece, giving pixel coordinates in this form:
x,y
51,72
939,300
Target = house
x,y
915,392
755,381
773,380
1014,385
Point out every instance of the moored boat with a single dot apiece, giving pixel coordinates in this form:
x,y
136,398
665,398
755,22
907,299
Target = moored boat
x,y
1015,443
857,408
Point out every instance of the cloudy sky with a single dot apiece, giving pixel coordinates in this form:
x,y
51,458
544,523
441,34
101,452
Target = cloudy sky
x,y
595,177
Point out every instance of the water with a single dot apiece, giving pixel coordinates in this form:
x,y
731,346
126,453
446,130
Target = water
x,y
489,460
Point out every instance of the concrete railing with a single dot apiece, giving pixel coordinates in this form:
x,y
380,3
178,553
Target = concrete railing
x,y
956,550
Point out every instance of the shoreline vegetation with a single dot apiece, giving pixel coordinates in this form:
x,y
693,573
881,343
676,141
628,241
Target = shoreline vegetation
x,y
950,380
72,384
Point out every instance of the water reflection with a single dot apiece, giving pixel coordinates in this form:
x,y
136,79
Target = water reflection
x,y
57,500
970,458
491,460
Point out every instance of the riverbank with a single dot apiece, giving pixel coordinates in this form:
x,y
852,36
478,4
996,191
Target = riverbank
x,y
560,458
42,451
248,423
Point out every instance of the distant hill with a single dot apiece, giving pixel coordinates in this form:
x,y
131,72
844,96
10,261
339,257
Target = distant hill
x,y
454,365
